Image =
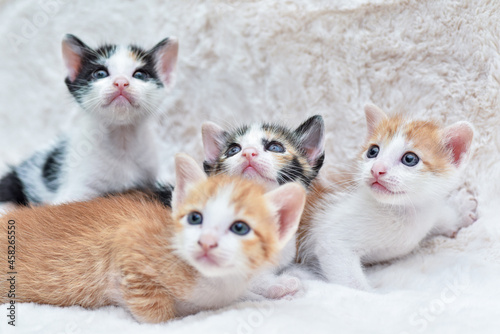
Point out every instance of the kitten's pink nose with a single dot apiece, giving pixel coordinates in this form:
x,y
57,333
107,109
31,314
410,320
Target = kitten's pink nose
x,y
207,242
121,83
250,153
378,170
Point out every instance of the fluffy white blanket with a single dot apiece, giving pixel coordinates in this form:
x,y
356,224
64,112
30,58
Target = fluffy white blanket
x,y
273,60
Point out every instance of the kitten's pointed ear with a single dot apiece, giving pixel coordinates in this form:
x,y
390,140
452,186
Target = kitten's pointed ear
x,y
73,50
212,137
374,115
187,173
165,55
311,134
458,138
289,200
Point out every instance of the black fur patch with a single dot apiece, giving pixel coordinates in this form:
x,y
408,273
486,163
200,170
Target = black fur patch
x,y
164,193
292,172
208,168
52,168
150,63
12,189
265,142
319,163
304,127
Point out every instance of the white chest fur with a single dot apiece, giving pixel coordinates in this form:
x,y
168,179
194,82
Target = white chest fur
x,y
102,159
213,293
358,229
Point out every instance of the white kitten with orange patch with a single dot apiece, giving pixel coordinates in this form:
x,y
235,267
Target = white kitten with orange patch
x,y
407,171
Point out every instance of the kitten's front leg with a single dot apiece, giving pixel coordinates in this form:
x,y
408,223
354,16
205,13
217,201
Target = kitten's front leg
x,y
459,212
270,284
343,266
147,301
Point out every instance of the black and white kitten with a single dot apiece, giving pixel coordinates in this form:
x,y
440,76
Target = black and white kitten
x,y
269,153
119,88
272,155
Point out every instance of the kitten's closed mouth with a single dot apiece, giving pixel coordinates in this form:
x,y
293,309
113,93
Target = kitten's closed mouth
x,y
206,259
378,187
250,169
120,98
253,172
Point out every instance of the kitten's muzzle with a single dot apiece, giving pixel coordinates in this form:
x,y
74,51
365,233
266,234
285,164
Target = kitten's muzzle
x,y
378,170
207,242
121,83
381,187
120,96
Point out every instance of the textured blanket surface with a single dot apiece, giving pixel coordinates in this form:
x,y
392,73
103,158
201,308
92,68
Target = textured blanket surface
x,y
243,61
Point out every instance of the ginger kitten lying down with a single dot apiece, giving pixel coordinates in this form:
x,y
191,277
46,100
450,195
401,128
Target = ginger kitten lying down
x,y
158,263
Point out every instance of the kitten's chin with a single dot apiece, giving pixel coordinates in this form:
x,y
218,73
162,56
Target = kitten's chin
x,y
252,174
386,196
381,189
121,101
122,115
209,270
209,266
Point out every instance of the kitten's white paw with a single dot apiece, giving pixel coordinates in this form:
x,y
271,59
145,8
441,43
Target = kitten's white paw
x,y
285,287
469,207
272,286
466,203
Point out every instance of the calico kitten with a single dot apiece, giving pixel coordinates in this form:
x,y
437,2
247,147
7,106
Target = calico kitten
x,y
406,173
119,88
158,263
280,155
272,155
269,153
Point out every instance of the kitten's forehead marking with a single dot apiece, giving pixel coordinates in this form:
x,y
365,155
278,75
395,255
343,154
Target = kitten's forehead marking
x,y
105,51
253,137
394,148
122,62
219,211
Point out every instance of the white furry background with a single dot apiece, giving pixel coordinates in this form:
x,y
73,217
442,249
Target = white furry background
x,y
242,61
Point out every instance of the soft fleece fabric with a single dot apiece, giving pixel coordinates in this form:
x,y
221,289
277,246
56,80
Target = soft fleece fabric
x,y
243,61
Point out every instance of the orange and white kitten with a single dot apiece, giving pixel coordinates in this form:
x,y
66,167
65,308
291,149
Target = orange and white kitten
x,y
406,173
158,263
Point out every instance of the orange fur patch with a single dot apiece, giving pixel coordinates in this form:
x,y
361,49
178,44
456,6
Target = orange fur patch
x,y
72,254
319,190
424,136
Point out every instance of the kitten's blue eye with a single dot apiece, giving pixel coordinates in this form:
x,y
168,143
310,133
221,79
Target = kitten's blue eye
x,y
233,149
373,151
275,147
195,218
410,159
100,74
141,75
240,228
